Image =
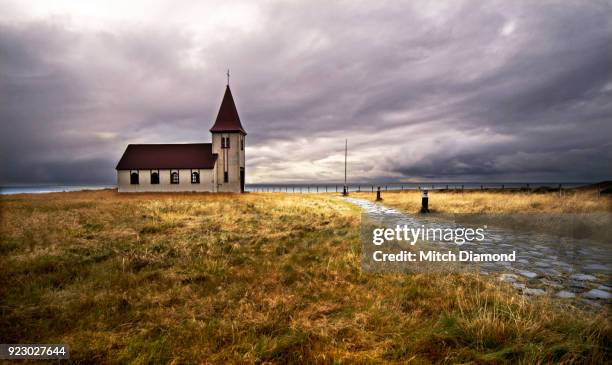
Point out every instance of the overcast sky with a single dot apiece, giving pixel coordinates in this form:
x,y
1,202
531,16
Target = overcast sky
x,y
432,90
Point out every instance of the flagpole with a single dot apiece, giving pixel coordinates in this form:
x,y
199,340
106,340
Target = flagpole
x,y
345,158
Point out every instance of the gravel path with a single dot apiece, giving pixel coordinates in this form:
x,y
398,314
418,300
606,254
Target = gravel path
x,y
562,267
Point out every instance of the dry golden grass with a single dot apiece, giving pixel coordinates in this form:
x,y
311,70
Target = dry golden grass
x,y
190,278
497,202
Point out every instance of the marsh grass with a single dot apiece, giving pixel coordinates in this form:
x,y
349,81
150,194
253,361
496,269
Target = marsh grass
x,y
184,278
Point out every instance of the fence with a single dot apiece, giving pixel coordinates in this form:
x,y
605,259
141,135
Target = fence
x,y
337,188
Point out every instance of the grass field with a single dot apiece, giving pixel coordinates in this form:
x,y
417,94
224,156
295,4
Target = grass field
x,y
497,202
252,278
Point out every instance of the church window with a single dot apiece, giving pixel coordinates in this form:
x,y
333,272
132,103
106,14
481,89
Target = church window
x,y
195,177
174,177
242,143
134,178
225,142
225,176
154,177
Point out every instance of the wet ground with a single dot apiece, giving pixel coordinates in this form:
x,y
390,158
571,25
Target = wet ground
x,y
562,267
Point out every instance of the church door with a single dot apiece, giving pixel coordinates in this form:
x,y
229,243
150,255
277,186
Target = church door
x,y
242,179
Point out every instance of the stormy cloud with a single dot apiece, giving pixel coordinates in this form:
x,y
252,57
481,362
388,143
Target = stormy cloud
x,y
444,91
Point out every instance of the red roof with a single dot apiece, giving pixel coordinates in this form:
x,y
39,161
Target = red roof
x,y
168,156
228,119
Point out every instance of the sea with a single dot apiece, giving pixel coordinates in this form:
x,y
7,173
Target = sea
x,y
315,187
42,189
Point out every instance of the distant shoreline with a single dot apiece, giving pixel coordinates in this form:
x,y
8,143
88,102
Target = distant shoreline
x,y
317,187
46,189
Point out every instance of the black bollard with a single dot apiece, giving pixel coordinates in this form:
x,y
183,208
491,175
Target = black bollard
x,y
344,191
378,198
424,202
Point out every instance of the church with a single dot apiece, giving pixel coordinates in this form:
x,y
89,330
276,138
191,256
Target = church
x,y
192,167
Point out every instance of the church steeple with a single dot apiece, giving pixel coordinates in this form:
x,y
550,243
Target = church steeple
x,y
227,118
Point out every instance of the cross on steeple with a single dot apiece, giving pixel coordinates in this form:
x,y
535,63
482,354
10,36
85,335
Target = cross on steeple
x,y
228,75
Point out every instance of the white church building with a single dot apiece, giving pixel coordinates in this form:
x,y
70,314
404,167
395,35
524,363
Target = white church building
x,y
197,167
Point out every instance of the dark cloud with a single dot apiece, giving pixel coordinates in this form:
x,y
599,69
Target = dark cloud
x,y
470,90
